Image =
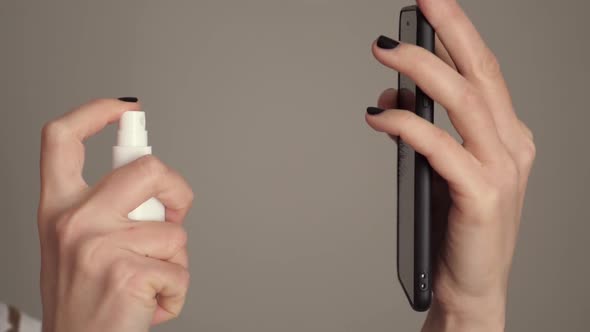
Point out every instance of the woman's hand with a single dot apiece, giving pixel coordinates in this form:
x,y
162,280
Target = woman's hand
x,y
485,177
100,271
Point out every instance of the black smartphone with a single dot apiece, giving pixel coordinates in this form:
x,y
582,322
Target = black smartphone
x,y
414,177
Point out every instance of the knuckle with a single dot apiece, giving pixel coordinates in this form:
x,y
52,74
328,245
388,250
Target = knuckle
x,y
184,278
528,132
491,195
487,205
122,275
86,256
441,136
181,237
62,229
67,226
53,132
506,177
190,195
405,118
130,281
177,238
410,51
402,58
175,311
528,153
409,55
469,97
187,198
187,194
511,177
488,66
151,166
441,141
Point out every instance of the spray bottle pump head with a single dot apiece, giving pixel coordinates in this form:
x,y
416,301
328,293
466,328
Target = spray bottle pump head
x,y
132,130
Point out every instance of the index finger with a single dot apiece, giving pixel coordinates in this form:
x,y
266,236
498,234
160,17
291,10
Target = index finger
x,y
477,63
128,186
460,37
62,148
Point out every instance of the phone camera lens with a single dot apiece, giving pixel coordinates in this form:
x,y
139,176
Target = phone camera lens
x,y
422,286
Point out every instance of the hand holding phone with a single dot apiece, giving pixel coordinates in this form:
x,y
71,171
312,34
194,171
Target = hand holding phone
x,y
483,177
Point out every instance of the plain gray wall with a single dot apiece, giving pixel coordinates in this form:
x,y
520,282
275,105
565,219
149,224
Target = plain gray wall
x,y
260,105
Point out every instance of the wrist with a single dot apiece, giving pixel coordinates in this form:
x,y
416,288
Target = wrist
x,y
473,316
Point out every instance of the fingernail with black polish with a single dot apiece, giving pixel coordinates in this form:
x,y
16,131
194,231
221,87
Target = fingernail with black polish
x,y
129,99
374,110
386,43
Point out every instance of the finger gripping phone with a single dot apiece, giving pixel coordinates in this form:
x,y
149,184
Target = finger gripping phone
x,y
414,177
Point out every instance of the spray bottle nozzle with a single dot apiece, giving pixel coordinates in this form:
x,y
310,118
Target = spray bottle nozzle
x,y
132,129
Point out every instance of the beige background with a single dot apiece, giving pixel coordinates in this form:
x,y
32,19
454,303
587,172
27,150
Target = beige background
x,y
260,105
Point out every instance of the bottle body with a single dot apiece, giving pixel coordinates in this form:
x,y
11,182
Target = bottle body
x,y
152,209
132,144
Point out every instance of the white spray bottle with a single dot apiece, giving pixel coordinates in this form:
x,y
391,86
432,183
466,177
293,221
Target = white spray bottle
x,y
132,143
